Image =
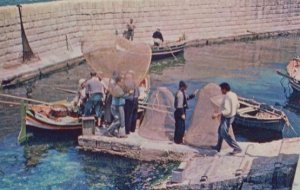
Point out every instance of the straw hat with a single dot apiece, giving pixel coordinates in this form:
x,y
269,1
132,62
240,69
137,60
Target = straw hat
x,y
81,81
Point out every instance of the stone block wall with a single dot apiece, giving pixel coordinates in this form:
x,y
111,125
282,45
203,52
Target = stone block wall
x,y
56,26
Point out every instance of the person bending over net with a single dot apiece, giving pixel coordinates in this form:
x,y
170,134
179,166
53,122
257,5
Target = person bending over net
x,y
181,105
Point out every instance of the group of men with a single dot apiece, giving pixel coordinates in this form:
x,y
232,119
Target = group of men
x,y
114,109
157,35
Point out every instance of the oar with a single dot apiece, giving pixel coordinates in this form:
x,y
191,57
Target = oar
x,y
25,99
10,103
66,90
172,53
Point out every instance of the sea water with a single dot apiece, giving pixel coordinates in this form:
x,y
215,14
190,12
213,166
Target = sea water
x,y
47,162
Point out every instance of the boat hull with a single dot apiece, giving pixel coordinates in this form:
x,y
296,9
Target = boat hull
x,y
33,122
167,51
251,123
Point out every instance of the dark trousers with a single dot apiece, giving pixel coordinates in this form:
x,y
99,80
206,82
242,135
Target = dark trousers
x,y
179,126
223,133
130,108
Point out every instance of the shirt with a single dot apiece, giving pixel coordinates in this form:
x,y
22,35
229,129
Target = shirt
x,y
180,99
230,104
158,35
93,86
130,27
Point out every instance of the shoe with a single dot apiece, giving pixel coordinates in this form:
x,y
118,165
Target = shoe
x,y
216,148
236,151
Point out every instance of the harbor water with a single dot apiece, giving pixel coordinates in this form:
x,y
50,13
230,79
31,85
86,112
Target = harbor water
x,y
48,162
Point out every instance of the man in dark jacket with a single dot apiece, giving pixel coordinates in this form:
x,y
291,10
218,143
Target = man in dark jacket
x,y
157,37
181,105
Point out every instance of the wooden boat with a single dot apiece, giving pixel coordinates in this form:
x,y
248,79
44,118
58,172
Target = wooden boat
x,y
252,114
55,117
167,50
59,117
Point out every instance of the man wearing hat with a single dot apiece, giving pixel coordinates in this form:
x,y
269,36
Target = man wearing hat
x,y
94,93
181,105
157,38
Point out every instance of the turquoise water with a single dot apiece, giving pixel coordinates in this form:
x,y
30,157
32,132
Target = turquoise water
x,y
15,2
55,163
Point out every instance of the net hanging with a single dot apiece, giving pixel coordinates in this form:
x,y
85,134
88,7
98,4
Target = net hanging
x,y
108,54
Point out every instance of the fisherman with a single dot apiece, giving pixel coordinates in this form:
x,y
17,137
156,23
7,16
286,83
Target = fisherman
x,y
157,37
117,127
79,100
229,107
130,30
181,105
131,103
94,93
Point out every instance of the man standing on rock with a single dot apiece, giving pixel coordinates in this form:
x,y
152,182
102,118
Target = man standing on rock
x,y
229,107
130,30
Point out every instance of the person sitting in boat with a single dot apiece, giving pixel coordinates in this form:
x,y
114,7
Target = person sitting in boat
x,y
79,100
94,93
157,38
117,127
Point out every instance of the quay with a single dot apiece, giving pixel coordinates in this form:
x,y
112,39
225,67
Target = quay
x,y
271,165
54,30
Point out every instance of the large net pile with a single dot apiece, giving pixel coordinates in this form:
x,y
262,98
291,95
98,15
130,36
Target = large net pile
x,y
108,54
203,130
158,122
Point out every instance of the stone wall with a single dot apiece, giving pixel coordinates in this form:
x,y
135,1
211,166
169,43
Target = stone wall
x,y
57,27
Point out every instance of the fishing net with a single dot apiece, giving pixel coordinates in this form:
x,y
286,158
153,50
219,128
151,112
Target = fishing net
x,y
158,122
108,54
203,130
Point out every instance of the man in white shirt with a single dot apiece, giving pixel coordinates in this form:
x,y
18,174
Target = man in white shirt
x,y
229,107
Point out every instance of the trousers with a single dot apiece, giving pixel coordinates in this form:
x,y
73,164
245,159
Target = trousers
x,y
179,126
131,107
119,120
223,134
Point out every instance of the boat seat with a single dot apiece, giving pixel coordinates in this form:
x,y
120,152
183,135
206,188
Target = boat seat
x,y
246,109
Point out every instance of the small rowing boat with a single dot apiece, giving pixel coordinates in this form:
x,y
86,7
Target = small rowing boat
x,y
167,50
54,117
252,114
